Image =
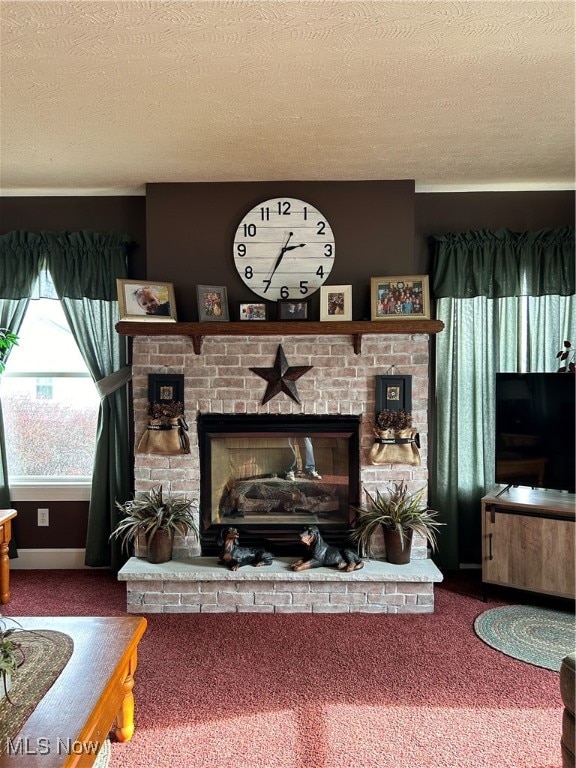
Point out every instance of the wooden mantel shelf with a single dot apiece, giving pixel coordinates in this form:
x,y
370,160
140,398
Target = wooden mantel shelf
x,y
356,329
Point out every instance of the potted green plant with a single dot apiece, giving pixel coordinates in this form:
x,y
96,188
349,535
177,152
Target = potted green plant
x,y
157,517
399,514
11,655
7,341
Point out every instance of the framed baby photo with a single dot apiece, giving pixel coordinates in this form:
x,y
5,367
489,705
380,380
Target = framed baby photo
x,y
212,303
252,310
402,297
291,309
336,302
146,300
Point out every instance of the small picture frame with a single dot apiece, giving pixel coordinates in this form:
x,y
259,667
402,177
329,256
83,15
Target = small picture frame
x,y
146,300
166,388
336,302
212,303
393,393
252,310
293,309
401,297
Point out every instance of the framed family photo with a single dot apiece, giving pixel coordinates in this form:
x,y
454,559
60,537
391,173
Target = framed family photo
x,y
336,302
400,298
289,309
146,300
252,310
212,303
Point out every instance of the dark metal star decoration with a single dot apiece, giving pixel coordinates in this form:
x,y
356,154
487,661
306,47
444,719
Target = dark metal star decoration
x,y
281,377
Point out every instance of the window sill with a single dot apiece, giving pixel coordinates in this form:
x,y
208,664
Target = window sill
x,y
50,491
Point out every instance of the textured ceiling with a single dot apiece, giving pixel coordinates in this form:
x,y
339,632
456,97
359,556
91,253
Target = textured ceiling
x,y
104,97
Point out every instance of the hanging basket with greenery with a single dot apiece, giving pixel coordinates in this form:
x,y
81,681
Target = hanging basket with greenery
x,y
396,441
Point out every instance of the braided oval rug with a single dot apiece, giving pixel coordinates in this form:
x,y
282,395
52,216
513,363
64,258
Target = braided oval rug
x,y
538,636
45,654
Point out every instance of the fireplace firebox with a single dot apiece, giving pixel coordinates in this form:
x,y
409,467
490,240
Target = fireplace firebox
x,y
269,476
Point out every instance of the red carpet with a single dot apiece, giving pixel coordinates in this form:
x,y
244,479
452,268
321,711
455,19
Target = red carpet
x,y
322,691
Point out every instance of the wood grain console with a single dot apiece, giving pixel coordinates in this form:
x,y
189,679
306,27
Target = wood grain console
x,y
528,540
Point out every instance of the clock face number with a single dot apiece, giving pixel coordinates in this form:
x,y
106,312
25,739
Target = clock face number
x,y
284,248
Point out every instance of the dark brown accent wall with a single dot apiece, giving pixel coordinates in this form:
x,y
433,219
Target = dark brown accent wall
x,y
190,230
67,529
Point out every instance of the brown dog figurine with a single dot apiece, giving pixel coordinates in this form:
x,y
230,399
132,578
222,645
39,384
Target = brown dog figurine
x,y
321,553
234,556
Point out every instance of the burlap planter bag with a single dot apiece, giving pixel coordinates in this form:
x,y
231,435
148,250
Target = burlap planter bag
x,y
167,437
396,447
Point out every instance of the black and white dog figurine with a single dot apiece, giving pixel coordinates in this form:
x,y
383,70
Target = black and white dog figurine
x,y
319,553
234,556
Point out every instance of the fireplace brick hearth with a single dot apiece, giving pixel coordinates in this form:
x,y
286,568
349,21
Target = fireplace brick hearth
x,y
200,585
219,381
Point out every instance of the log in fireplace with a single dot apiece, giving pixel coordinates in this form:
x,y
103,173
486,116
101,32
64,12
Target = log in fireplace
x,y
269,476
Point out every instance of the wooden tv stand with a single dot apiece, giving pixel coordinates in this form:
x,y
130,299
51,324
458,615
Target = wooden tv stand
x,y
528,540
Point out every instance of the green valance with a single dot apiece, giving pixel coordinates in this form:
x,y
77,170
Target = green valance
x,y
80,263
504,263
20,261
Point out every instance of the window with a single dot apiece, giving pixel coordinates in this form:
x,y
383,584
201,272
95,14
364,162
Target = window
x,y
49,402
44,389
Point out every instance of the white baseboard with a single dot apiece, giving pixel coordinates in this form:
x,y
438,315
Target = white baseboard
x,y
29,559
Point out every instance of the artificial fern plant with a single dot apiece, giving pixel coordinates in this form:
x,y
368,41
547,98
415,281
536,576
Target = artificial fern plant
x,y
155,511
398,510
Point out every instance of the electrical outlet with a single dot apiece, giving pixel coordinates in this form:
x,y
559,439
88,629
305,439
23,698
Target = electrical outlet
x,y
43,517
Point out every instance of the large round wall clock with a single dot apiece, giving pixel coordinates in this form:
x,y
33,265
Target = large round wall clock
x,y
284,249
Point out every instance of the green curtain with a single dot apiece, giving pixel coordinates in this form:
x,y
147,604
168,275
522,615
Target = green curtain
x,y
12,313
20,259
504,263
507,303
84,267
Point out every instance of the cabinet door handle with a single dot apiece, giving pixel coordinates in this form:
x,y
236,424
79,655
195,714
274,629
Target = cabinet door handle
x,y
490,547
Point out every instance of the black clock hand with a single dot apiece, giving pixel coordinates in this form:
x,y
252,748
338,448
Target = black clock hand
x,y
281,255
291,247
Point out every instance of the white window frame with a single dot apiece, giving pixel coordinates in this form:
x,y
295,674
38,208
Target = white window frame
x,y
49,488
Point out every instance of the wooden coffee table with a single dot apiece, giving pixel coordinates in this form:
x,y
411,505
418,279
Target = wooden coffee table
x,y
93,692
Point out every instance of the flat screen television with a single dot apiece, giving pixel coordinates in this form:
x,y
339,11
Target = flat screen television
x,y
535,430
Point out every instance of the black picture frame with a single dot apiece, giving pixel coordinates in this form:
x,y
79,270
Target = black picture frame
x,y
291,309
393,393
251,311
165,388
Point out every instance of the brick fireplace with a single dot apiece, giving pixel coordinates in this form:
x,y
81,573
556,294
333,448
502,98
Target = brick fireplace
x,y
218,380
260,472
